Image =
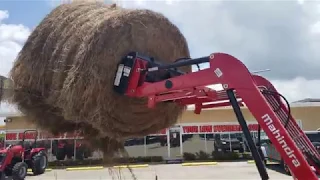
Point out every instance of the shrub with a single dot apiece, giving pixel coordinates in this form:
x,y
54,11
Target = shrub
x,y
246,156
189,156
201,155
225,155
157,159
88,162
140,159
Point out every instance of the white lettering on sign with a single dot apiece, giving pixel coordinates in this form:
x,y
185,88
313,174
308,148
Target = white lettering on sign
x,y
277,134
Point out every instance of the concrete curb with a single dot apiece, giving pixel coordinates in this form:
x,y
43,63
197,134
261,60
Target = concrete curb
x,y
132,166
200,164
47,170
84,168
268,162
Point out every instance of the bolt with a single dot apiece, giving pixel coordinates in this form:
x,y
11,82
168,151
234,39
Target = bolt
x,y
225,86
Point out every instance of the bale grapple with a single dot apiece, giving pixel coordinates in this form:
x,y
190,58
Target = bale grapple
x,y
141,76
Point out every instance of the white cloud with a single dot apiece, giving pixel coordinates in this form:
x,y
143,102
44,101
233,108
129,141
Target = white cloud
x,y
298,88
12,37
282,36
3,15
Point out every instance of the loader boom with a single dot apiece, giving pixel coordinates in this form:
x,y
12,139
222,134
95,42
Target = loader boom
x,y
140,76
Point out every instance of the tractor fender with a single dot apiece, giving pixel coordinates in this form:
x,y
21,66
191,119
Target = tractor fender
x,y
35,151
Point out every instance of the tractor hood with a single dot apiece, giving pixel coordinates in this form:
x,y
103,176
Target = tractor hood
x,y
3,150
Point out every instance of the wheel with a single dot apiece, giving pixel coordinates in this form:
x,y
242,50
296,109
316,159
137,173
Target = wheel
x,y
19,171
80,154
265,162
61,155
69,150
2,176
285,168
39,163
87,153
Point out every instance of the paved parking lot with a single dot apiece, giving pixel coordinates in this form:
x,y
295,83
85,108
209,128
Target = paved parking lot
x,y
229,170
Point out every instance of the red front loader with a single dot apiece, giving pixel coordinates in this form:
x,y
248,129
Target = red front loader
x,y
141,76
15,160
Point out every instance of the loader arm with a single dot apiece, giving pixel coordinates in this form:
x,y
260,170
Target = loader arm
x,y
136,77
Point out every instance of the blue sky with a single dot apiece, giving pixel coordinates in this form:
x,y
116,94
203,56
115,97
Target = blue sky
x,y
28,13
272,35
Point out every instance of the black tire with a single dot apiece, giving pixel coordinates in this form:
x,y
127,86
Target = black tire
x,y
19,171
262,156
87,153
285,168
80,154
69,150
39,163
241,150
61,154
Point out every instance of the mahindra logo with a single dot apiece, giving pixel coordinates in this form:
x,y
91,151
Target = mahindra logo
x,y
276,133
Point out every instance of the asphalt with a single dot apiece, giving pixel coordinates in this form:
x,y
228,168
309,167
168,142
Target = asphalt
x,y
221,171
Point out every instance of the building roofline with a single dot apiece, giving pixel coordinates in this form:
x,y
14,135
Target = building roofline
x,y
10,114
190,108
292,105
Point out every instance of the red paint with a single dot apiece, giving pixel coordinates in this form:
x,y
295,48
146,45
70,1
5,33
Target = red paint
x,y
190,129
232,74
206,129
234,128
28,136
11,136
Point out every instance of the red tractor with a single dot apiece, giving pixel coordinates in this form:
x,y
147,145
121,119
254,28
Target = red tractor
x,y
15,160
65,148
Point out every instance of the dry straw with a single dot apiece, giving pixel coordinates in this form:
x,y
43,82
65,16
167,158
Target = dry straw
x,y
63,76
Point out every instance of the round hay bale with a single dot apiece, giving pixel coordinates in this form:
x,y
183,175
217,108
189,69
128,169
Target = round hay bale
x,y
64,74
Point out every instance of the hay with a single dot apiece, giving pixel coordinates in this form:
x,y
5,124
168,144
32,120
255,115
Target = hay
x,y
63,76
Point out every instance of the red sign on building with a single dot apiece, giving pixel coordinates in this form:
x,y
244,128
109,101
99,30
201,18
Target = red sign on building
x,y
14,136
11,136
234,128
206,129
201,129
190,129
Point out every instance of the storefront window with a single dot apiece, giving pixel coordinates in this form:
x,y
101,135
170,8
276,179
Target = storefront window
x,y
135,147
195,138
194,143
209,146
229,142
156,145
